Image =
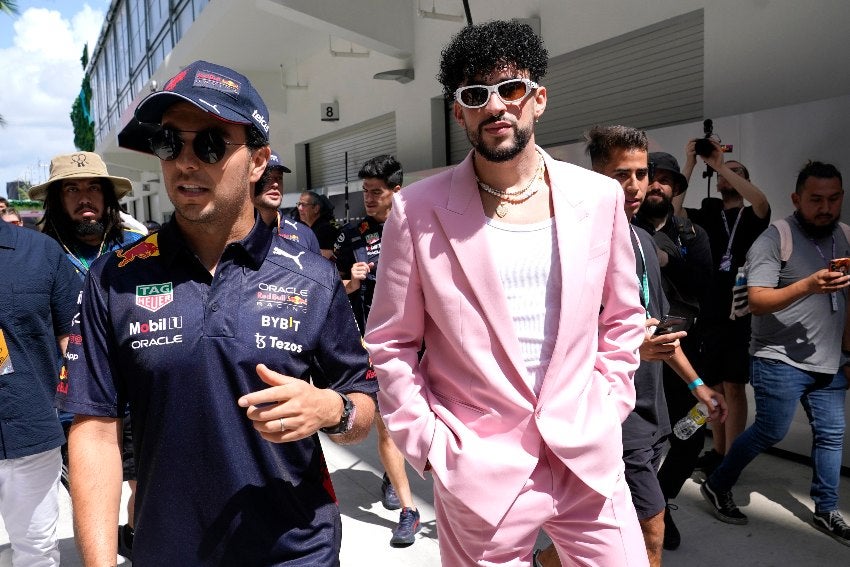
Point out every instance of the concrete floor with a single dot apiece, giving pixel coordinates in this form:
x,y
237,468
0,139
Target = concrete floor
x,y
773,492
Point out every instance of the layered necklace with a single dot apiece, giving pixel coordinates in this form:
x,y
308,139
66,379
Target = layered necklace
x,y
507,198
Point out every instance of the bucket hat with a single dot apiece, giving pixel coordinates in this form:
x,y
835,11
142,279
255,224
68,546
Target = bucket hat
x,y
79,165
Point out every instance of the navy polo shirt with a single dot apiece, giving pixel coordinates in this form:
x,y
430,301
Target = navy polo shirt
x,y
181,346
298,232
360,242
37,304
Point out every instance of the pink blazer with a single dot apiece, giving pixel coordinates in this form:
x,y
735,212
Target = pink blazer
x,y
465,408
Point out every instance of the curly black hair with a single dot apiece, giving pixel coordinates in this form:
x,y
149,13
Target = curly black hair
x,y
478,50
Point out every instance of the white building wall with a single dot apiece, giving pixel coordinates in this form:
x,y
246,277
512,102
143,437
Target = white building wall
x,y
778,56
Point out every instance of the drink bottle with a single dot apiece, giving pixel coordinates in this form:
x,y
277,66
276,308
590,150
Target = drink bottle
x,y
689,424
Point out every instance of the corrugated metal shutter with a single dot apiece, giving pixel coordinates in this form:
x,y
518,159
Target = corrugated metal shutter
x,y
457,143
362,141
647,78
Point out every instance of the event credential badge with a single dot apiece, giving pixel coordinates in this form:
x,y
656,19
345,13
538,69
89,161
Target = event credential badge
x,y
5,356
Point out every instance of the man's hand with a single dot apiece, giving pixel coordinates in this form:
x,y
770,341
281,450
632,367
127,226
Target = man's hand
x,y
290,409
824,281
714,401
359,271
661,347
715,158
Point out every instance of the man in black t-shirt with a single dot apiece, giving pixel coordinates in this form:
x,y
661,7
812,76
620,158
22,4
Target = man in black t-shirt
x,y
316,211
732,228
685,259
357,250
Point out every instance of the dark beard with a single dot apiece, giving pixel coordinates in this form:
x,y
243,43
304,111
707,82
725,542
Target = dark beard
x,y
499,155
89,228
729,193
655,209
814,231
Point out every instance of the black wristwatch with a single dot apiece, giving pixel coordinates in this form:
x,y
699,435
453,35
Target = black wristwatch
x,y
346,422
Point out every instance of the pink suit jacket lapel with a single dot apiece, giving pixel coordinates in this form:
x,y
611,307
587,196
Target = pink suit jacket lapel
x,y
462,222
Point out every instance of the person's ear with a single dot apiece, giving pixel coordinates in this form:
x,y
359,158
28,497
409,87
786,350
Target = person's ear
x,y
259,159
457,111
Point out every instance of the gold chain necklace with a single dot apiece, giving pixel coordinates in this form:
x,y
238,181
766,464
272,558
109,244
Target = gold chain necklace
x,y
517,197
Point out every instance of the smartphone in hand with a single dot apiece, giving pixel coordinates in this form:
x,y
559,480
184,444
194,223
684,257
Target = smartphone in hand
x,y
671,324
840,265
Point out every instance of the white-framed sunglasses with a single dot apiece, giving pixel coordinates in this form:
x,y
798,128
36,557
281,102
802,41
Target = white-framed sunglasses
x,y
510,91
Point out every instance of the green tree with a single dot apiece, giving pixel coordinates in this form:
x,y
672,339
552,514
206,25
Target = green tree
x,y
81,111
10,8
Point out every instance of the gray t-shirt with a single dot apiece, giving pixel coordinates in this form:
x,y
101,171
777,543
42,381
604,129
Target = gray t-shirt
x,y
807,333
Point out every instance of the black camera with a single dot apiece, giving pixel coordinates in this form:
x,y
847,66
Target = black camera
x,y
703,146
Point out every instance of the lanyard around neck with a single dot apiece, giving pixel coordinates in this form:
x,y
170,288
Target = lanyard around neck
x,y
643,280
731,235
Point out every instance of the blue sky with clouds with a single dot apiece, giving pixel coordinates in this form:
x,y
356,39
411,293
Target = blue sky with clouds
x,y
40,51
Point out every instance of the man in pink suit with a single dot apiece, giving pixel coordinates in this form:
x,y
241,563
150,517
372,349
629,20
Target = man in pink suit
x,y
517,272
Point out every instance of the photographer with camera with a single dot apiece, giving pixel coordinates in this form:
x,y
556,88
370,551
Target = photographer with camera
x,y
732,227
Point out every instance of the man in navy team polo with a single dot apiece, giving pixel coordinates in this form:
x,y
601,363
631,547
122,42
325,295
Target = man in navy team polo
x,y
268,194
210,329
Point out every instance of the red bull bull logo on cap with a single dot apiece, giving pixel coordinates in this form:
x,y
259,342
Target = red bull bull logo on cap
x,y
142,249
154,297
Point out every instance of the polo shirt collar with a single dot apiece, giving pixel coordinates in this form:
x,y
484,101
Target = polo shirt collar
x,y
251,250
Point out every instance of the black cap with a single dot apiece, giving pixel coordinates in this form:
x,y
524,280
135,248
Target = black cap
x,y
663,160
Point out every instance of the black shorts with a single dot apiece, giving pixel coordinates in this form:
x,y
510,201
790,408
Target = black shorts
x,y
725,352
642,477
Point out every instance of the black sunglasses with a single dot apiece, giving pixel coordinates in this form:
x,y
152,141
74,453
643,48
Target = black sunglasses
x,y
209,145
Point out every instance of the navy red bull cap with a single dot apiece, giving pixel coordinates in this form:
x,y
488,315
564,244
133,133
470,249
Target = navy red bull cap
x,y
213,88
275,161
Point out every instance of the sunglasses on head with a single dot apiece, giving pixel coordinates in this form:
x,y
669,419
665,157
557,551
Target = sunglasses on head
x,y
510,91
209,145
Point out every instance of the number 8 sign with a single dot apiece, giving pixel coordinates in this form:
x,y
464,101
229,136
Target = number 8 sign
x,y
330,111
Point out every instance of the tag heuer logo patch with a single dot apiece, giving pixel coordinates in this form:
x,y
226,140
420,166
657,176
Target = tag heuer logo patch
x,y
155,296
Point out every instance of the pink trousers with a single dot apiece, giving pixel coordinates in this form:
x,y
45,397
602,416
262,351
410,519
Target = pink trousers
x,y
587,528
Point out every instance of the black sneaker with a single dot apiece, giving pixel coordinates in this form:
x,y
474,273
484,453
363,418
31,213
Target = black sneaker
x,y
833,525
125,541
408,525
724,507
705,465
672,537
389,498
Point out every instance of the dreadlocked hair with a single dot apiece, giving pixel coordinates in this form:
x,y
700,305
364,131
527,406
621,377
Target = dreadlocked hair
x,y
478,50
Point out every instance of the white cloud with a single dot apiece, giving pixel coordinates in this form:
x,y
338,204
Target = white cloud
x,y
41,78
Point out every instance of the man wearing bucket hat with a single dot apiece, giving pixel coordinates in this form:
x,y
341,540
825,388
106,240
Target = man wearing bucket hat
x,y
268,194
210,329
81,212
81,209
